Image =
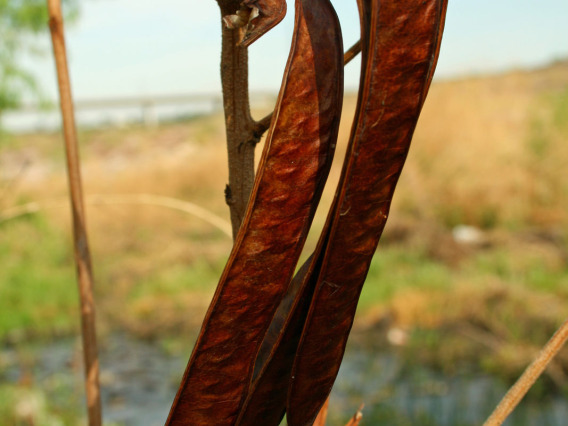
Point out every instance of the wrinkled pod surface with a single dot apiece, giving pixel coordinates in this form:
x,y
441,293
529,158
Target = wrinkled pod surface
x,y
401,55
290,178
266,401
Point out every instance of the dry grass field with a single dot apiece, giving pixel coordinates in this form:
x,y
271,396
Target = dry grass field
x,y
474,259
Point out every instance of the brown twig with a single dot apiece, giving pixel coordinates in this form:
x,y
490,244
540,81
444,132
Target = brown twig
x,y
352,52
239,125
531,374
82,255
264,123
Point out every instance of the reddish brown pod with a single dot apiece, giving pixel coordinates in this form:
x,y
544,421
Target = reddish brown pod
x,y
257,17
265,14
401,56
266,401
290,178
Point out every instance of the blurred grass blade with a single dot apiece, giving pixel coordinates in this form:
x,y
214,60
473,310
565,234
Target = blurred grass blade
x,y
128,199
81,245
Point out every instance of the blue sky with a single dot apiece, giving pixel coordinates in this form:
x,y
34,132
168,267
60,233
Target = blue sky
x,y
133,47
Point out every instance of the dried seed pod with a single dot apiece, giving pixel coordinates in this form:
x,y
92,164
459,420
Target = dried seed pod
x,y
264,15
291,175
266,401
402,52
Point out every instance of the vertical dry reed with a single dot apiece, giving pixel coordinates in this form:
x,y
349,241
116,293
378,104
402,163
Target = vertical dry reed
x,y
81,245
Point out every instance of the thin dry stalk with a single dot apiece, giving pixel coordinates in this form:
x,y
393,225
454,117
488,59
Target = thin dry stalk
x,y
356,419
352,52
531,374
322,416
81,245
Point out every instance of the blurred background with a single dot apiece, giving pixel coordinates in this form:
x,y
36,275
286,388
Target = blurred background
x,y
470,278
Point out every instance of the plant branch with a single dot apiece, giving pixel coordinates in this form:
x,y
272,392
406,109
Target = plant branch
x,y
531,374
240,134
81,245
352,52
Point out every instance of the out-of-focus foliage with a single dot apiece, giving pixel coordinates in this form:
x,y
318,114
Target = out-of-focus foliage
x,y
20,23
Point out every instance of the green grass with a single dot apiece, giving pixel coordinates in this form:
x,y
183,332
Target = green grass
x,y
199,277
38,293
56,403
560,104
527,270
38,289
396,269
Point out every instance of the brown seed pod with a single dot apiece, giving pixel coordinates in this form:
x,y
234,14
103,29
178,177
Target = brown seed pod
x,y
266,401
265,14
291,175
257,17
402,52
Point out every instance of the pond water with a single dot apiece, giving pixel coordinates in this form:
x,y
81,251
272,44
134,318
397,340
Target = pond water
x,y
139,381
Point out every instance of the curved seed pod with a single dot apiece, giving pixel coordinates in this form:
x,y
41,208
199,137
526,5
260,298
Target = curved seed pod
x,y
290,178
278,324
265,14
266,404
266,401
436,54
257,16
402,52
